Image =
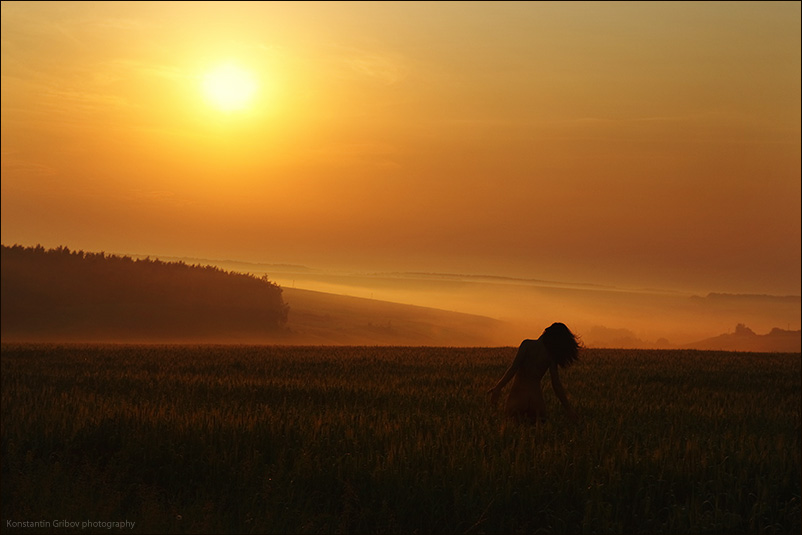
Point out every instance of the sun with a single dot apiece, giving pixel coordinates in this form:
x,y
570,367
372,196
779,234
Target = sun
x,y
229,87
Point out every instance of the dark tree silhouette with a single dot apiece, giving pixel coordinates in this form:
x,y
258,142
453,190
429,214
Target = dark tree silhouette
x,y
60,294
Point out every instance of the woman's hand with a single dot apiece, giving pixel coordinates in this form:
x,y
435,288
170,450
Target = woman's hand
x,y
495,393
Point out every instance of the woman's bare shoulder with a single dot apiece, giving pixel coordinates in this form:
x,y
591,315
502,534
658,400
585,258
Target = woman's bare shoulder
x,y
532,344
535,353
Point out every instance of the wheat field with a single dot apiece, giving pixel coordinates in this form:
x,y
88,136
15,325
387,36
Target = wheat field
x,y
247,439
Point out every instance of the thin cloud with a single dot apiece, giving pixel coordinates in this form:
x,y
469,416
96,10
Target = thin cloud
x,y
387,69
83,100
24,168
380,68
380,155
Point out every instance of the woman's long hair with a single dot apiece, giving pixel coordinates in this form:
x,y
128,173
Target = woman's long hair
x,y
561,343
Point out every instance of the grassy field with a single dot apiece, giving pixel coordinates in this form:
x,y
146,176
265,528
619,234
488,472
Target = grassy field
x,y
183,439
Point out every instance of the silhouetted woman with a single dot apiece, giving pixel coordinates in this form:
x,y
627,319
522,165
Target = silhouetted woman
x,y
556,348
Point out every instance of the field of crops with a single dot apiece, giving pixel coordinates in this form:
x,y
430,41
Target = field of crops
x,y
181,439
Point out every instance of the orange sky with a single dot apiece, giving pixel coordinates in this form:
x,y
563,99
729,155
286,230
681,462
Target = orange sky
x,y
636,144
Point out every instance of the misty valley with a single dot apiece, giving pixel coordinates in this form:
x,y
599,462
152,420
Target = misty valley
x,y
62,295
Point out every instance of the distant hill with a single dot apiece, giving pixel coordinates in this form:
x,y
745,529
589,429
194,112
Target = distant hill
x,y
63,295
325,318
744,339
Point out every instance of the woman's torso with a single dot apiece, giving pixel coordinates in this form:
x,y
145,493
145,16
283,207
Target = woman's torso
x,y
526,395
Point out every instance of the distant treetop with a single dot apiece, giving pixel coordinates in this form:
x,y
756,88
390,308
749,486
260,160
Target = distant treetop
x,y
63,294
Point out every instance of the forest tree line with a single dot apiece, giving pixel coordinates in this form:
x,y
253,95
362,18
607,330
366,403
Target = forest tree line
x,y
62,295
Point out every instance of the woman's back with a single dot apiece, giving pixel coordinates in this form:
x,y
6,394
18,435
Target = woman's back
x,y
526,394
534,361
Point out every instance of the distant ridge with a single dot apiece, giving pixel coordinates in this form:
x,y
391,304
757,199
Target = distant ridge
x,y
494,278
744,339
59,295
325,318
723,298
267,267
235,265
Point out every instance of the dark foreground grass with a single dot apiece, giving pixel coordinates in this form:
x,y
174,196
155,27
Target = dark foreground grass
x,y
206,439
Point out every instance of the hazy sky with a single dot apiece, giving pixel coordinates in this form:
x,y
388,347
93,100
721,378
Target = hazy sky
x,y
637,144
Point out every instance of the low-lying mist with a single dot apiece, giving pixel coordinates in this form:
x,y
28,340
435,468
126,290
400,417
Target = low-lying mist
x,y
603,316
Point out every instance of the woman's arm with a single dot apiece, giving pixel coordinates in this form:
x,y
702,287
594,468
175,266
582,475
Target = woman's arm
x,y
495,392
557,385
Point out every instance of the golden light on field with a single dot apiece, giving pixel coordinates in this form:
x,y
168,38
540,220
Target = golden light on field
x,y
229,87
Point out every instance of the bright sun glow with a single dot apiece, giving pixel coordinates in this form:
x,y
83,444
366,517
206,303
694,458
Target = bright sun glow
x,y
229,87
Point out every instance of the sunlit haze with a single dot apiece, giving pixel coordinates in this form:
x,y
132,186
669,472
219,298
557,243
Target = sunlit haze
x,y
636,145
229,87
